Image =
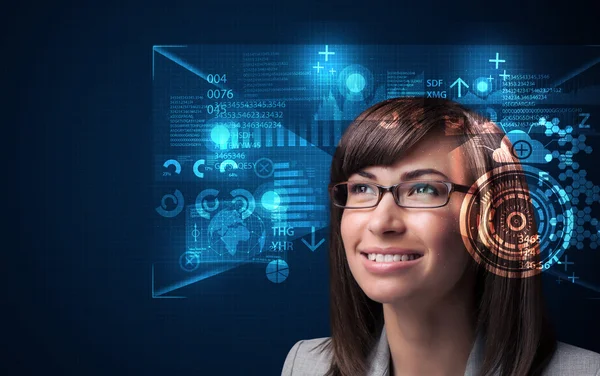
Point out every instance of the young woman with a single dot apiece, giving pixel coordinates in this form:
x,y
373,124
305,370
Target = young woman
x,y
411,294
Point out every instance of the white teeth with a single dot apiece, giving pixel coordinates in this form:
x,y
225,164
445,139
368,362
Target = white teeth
x,y
390,258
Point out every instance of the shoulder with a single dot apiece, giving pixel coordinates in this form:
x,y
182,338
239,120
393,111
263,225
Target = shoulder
x,y
573,360
307,357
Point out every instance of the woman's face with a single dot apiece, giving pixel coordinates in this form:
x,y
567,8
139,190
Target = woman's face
x,y
432,232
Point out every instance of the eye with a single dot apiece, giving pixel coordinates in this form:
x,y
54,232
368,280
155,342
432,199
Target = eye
x,y
357,188
423,189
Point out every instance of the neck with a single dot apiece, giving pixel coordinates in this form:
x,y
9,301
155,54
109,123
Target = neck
x,y
428,338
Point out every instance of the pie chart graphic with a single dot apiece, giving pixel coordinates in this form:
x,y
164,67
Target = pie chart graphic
x,y
277,271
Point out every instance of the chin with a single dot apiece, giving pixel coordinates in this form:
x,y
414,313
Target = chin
x,y
387,292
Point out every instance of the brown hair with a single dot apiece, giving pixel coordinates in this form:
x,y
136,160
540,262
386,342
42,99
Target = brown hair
x,y
510,311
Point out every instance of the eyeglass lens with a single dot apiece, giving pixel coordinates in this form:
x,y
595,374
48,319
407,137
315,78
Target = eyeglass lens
x,y
416,194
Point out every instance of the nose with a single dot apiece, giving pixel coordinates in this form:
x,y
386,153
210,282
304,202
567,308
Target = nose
x,y
387,217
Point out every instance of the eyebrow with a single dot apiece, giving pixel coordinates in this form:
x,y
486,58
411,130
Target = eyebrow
x,y
408,175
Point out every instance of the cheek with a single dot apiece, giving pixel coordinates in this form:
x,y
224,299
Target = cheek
x,y
349,228
441,233
438,231
353,227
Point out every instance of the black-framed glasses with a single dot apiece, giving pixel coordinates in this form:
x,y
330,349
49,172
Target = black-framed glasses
x,y
408,194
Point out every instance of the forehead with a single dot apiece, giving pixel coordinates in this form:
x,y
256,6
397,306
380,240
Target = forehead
x,y
435,152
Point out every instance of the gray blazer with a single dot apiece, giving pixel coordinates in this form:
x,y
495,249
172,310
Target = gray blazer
x,y
567,360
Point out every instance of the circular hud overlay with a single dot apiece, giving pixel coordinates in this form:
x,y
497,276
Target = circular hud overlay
x,y
517,222
355,82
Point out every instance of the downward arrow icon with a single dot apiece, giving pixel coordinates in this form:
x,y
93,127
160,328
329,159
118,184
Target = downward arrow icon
x,y
313,246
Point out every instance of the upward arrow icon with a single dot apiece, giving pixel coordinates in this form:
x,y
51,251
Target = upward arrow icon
x,y
459,81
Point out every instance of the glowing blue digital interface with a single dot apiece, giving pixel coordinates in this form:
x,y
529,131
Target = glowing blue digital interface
x,y
244,137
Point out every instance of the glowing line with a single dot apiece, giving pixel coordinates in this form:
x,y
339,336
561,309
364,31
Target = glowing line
x,y
577,72
154,296
182,63
581,283
154,50
194,279
503,129
530,128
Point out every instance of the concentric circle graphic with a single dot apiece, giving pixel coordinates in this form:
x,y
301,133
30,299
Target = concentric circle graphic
x,y
517,222
355,82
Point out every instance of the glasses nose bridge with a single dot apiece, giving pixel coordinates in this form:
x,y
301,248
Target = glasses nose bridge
x,y
392,189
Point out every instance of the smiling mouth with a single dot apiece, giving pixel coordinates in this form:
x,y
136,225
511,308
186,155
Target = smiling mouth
x,y
375,257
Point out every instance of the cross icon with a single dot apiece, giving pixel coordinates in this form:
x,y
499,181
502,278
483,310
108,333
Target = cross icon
x,y
318,67
264,167
566,262
332,71
490,77
573,278
190,260
504,75
521,149
326,53
497,60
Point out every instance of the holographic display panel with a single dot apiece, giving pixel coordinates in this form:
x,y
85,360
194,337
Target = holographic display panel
x,y
244,135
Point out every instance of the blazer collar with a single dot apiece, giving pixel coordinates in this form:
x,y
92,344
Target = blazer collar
x,y
379,359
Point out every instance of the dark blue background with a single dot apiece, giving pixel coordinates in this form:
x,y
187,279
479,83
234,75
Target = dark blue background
x,y
77,92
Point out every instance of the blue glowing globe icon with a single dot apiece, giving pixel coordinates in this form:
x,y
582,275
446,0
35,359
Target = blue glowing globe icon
x,y
231,235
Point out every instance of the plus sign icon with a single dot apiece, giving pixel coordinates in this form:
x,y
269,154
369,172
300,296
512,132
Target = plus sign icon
x,y
521,149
